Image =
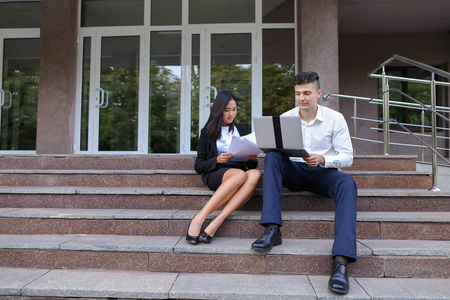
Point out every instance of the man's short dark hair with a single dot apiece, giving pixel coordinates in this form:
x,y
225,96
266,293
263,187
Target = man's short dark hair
x,y
306,77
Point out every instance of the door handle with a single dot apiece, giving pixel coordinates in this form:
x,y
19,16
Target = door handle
x,y
101,96
104,101
215,94
2,98
10,99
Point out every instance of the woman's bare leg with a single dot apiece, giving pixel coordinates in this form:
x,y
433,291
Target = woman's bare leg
x,y
244,194
232,180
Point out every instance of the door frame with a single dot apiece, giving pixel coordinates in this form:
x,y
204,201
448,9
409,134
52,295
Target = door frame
x,y
187,30
205,32
96,35
15,33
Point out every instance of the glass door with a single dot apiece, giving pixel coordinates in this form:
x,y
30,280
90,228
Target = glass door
x,y
165,92
19,86
110,94
227,65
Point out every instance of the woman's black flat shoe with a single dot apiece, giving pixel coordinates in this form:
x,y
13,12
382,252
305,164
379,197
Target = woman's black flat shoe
x,y
206,237
194,240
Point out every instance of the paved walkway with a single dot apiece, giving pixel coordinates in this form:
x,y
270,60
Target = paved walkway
x,y
152,285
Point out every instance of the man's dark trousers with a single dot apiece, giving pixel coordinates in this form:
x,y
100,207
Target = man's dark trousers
x,y
296,176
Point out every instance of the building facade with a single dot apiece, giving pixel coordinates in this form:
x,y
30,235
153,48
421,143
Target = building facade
x,y
138,76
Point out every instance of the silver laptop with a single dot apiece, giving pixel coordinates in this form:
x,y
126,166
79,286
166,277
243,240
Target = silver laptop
x,y
282,134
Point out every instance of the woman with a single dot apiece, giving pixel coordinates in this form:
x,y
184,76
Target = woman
x,y
233,181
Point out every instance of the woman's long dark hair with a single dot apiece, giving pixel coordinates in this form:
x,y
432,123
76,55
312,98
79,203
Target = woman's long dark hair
x,y
214,124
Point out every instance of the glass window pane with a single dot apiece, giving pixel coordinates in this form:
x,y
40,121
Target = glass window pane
x,y
195,91
420,92
231,69
112,13
278,71
166,12
165,91
221,11
20,14
21,85
119,79
86,76
278,11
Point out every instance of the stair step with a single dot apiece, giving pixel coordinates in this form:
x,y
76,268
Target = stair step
x,y
245,224
184,178
376,258
82,218
384,163
107,284
173,162
99,162
195,198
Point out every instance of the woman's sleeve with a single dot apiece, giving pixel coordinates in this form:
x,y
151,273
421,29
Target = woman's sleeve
x,y
204,164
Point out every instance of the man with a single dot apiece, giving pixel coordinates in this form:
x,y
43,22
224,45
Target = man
x,y
327,139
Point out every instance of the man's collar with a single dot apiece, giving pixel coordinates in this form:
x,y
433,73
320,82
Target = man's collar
x,y
318,117
319,114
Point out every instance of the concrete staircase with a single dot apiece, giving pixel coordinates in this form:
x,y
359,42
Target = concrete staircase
x,y
114,226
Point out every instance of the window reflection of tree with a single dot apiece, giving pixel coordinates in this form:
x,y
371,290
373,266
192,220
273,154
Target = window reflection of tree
x,y
165,96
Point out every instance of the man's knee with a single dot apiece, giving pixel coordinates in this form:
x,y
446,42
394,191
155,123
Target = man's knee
x,y
344,179
349,182
273,157
347,186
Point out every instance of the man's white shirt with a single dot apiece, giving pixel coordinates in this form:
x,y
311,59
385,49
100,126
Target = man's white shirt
x,y
327,135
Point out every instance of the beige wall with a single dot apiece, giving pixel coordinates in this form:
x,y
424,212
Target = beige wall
x,y
56,107
359,55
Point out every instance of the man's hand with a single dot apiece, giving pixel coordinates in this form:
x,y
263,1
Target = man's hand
x,y
314,160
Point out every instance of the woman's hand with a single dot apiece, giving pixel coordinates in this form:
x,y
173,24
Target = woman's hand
x,y
253,157
224,157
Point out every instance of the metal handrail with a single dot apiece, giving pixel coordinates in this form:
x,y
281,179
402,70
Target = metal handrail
x,y
391,103
385,102
433,135
413,134
418,102
413,63
370,100
413,80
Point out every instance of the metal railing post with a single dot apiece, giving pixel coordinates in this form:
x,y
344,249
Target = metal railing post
x,y
422,131
436,111
385,87
434,134
354,125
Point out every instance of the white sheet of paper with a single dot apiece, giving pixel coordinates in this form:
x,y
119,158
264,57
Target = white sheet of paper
x,y
243,146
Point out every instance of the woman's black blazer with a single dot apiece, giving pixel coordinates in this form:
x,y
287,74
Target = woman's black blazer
x,y
206,161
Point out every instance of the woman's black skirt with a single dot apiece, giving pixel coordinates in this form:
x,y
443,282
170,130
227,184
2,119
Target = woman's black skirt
x,y
215,177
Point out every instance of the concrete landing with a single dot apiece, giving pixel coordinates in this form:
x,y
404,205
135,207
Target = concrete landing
x,y
45,283
376,258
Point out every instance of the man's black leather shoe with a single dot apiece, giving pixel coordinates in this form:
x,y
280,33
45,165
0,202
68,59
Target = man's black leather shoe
x,y
339,279
270,238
